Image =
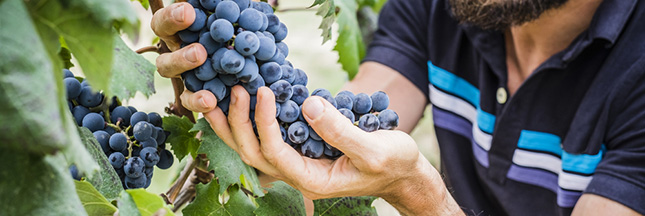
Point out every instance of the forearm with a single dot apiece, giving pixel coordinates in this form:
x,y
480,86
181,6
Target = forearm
x,y
422,193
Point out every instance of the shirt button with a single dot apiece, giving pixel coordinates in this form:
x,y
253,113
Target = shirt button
x,y
501,95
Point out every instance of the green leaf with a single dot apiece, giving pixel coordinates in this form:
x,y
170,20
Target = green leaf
x,y
349,45
225,162
93,202
207,201
182,140
111,13
281,199
107,181
319,2
131,72
126,205
378,4
148,203
66,57
345,206
144,3
328,11
36,185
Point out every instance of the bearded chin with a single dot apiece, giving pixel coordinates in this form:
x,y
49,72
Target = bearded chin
x,y
500,14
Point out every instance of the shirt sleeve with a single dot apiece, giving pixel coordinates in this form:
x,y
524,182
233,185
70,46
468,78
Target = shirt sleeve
x,y
620,175
401,40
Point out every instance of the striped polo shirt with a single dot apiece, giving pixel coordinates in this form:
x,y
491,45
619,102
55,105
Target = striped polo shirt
x,y
575,126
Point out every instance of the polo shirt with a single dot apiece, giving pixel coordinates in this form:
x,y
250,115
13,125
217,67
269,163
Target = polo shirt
x,y
575,126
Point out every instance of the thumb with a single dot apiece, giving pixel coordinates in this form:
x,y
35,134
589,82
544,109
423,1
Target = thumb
x,y
333,127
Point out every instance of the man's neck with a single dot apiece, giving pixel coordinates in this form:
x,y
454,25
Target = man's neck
x,y
532,43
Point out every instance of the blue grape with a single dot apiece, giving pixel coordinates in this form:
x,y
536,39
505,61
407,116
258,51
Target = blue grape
x,y
283,48
269,35
380,101
253,86
265,22
298,132
347,93
253,102
388,119
247,43
283,132
73,87
331,100
289,111
200,20
228,10
282,90
85,83
143,130
188,36
134,167
368,122
210,20
277,57
274,23
93,121
216,60
70,105
312,148
155,119
137,117
149,142
281,34
121,113
165,159
194,3
332,152
344,101
67,73
132,109
250,19
243,4
205,71
221,30
191,81
249,72
161,136
362,103
266,50
265,8
79,112
300,93
277,109
347,113
209,44
313,134
117,160
321,92
118,142
288,74
88,98
216,87
232,62
300,115
109,130
223,105
103,138
271,72
209,4
149,156
133,183
73,170
229,79
300,77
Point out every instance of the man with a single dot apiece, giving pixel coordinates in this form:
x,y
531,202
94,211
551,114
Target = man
x,y
539,108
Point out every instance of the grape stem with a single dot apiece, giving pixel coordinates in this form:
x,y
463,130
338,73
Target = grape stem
x,y
148,49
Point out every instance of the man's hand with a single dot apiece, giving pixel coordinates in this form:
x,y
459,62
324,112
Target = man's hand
x,y
166,22
382,163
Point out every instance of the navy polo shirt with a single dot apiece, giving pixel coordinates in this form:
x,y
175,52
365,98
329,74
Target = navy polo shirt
x,y
575,126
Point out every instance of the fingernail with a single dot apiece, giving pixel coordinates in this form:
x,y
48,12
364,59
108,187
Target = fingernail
x,y
191,54
203,102
313,109
178,13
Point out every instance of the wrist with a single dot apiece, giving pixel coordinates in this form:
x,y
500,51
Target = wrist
x,y
421,191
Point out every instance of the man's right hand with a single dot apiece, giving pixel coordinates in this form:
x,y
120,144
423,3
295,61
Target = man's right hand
x,y
166,22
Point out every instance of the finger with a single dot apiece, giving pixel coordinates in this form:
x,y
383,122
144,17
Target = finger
x,y
172,64
202,101
166,22
219,123
282,156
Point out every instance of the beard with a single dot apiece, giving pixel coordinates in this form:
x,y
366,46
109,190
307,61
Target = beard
x,y
500,14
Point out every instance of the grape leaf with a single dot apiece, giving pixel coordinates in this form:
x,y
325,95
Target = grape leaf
x,y
93,202
36,185
126,205
111,13
182,141
345,206
225,162
378,4
148,203
318,2
349,45
107,182
144,3
328,12
207,201
281,199
131,72
66,57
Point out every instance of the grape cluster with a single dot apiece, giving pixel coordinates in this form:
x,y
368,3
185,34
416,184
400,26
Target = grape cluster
x,y
133,141
243,40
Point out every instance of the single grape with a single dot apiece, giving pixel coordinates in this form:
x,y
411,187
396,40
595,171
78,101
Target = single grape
x,y
67,73
282,90
249,72
216,87
347,113
85,83
332,152
312,148
269,35
277,109
247,43
271,72
73,87
281,34
191,81
93,121
283,48
362,103
250,19
288,74
216,60
109,130
347,93
313,134
132,109
274,23
221,30
344,101
388,119
103,138
229,79
209,44
277,57
283,132
155,119
134,167
149,143
243,4
210,21
321,92
143,130
253,86
118,142
289,111
368,122
265,8
200,20
88,98
73,170
265,22
117,160
135,151
121,113
188,36
380,101
194,3
133,183
209,4
300,93
266,50
165,159
300,77
137,117
228,10
70,105
150,156
79,112
161,136
298,132
232,62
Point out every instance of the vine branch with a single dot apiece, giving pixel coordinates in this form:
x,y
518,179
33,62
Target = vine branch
x,y
147,49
